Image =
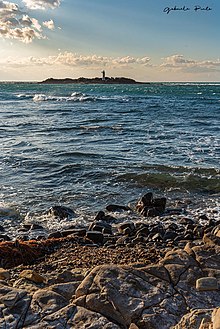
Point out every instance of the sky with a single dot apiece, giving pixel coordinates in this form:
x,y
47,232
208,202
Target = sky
x,y
147,40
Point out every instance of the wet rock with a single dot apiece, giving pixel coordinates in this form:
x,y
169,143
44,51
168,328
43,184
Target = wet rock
x,y
186,220
127,231
203,217
115,207
32,276
145,201
207,284
150,207
157,229
95,236
77,232
55,235
151,212
143,231
159,203
4,237
126,225
61,212
170,235
31,226
122,240
104,218
157,237
101,226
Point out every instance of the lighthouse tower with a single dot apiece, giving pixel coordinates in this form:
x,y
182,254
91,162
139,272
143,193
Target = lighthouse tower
x,y
103,75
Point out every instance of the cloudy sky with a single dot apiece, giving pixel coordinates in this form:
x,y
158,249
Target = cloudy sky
x,y
143,39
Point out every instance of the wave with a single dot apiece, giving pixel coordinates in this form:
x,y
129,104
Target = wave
x,y
204,180
74,97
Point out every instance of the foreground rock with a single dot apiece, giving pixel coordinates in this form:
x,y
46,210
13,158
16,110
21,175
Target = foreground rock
x,y
158,296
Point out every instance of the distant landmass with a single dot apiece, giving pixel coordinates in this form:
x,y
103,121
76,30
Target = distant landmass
x,y
107,80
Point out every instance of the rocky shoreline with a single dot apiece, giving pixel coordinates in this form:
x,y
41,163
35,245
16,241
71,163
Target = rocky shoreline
x,y
159,272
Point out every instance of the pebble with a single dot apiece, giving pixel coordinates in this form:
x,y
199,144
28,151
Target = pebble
x,y
207,284
32,276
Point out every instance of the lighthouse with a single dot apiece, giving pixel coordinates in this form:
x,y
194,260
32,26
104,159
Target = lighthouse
x,y
103,75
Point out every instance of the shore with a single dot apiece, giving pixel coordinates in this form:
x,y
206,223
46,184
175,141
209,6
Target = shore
x,y
159,272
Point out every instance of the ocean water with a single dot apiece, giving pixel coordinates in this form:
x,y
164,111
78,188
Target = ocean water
x,y
85,146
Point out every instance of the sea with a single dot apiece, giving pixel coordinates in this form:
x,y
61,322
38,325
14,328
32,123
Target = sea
x,y
87,146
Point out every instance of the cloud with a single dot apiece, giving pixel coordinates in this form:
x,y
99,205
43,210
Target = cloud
x,y
72,59
182,64
16,24
41,4
76,60
49,24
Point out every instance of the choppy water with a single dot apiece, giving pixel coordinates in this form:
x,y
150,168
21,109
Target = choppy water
x,y
85,146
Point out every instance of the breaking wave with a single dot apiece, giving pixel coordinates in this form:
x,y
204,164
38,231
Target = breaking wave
x,y
74,97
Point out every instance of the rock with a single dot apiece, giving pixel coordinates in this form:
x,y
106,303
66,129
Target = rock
x,y
31,226
67,290
146,200
124,292
207,284
204,217
14,307
194,319
10,296
1,228
150,207
61,212
159,203
133,326
101,226
95,236
127,231
126,225
102,217
76,317
68,276
143,231
4,274
150,212
46,302
216,318
170,235
55,235
4,237
27,285
115,207
77,232
32,276
211,239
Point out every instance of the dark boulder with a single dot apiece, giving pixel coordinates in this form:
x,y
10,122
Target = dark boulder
x,y
115,207
61,212
95,236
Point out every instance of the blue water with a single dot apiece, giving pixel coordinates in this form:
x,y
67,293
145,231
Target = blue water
x,y
85,146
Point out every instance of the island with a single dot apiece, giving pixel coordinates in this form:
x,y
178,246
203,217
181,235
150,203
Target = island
x,y
105,80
